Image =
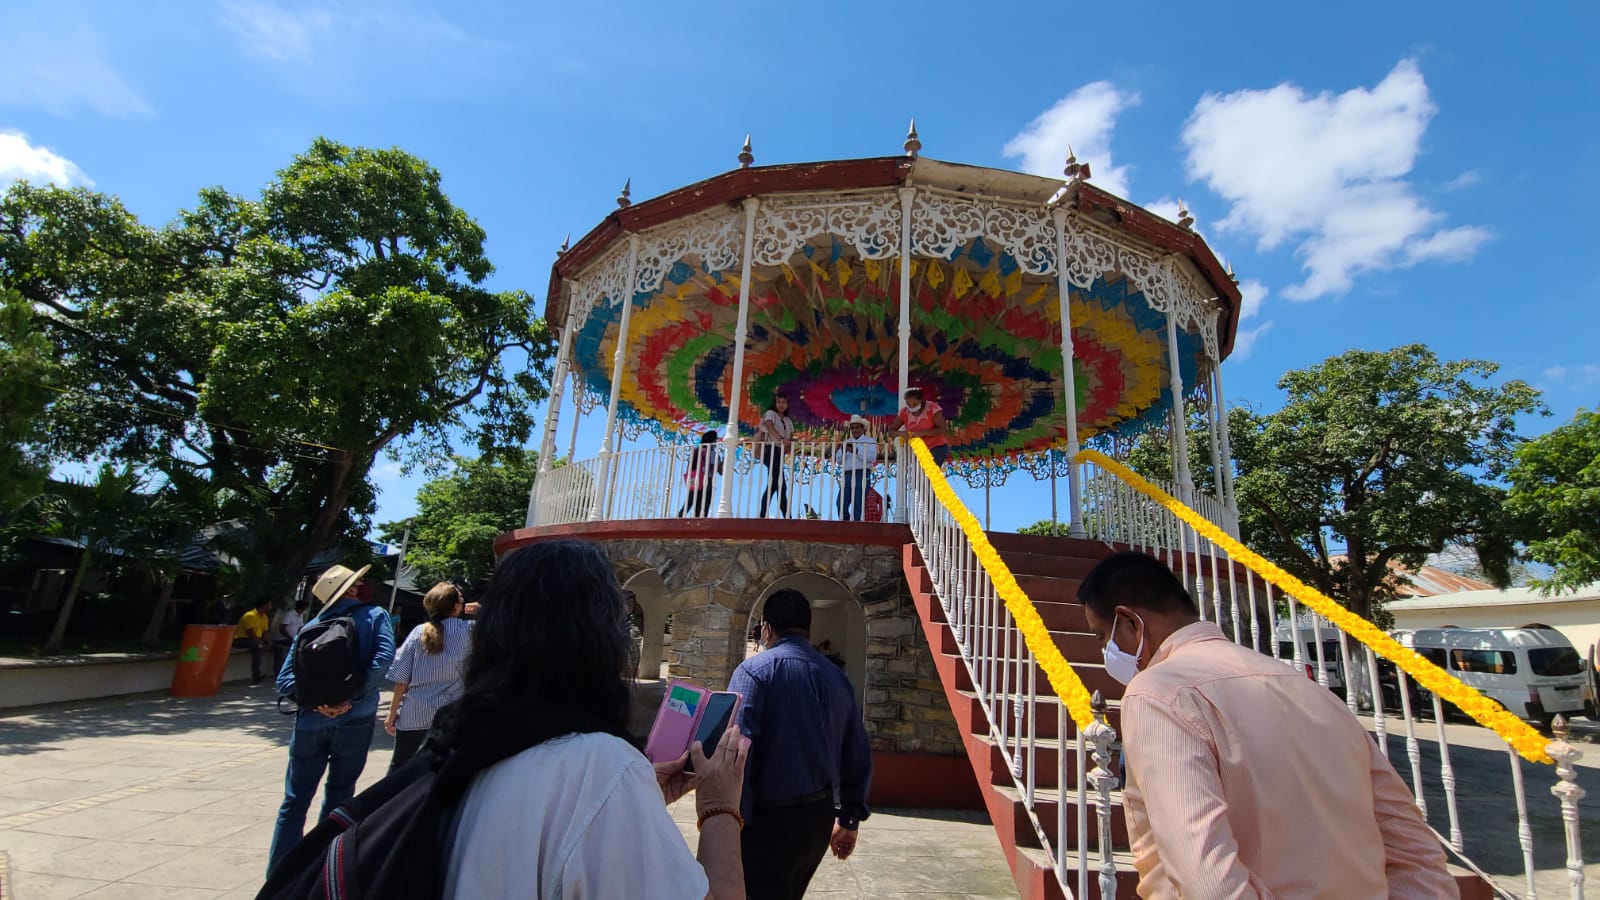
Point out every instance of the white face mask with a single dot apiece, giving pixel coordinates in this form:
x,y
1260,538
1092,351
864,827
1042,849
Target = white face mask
x,y
1121,664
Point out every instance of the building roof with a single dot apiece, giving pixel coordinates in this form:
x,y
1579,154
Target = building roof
x,y
1431,581
1525,596
842,175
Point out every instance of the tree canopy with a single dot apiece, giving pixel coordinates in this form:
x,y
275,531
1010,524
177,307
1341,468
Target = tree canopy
x,y
1394,454
460,514
27,373
279,344
1555,496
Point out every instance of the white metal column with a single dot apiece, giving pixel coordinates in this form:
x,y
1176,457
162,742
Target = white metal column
x,y
552,413
730,441
618,359
1232,502
903,449
1214,426
1180,425
1068,382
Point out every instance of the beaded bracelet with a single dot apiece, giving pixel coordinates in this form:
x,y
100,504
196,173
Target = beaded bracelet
x,y
713,811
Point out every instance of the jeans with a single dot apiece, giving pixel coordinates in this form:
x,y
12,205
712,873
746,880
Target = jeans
x,y
853,487
342,751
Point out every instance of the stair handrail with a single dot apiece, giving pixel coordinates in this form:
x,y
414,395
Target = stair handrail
x,y
1066,684
1527,741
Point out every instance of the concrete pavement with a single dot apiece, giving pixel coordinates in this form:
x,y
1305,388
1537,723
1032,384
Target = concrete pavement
x,y
152,797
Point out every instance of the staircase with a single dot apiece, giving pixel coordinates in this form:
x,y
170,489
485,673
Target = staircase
x,y
1049,570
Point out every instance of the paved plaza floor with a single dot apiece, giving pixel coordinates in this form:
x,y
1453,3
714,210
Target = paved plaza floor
x,y
153,797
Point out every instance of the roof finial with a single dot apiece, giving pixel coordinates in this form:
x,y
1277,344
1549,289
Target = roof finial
x,y
1232,277
566,244
1075,171
1185,220
625,199
913,143
745,156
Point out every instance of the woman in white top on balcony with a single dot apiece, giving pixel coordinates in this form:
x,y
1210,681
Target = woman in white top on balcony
x,y
776,434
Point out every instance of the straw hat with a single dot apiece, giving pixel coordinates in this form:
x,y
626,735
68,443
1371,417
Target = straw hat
x,y
335,582
858,420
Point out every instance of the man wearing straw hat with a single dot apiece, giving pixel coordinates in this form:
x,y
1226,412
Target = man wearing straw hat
x,y
857,456
332,738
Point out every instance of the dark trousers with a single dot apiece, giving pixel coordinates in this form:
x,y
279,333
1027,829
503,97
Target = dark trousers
x,y
341,751
776,461
782,846
280,652
254,646
406,745
853,494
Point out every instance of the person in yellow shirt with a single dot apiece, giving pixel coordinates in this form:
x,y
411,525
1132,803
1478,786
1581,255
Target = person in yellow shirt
x,y
251,634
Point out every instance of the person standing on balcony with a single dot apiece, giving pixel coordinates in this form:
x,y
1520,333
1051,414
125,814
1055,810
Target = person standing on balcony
x,y
1245,779
926,421
698,479
810,763
776,434
857,456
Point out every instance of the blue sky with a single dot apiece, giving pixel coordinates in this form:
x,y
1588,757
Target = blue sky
x,y
1377,173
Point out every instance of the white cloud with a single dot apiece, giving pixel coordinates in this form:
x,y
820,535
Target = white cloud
x,y
1244,341
1252,293
1084,120
1463,181
21,160
1326,172
315,47
56,61
1577,376
1166,208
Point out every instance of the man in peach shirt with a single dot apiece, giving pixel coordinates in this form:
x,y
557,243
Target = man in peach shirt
x,y
1245,778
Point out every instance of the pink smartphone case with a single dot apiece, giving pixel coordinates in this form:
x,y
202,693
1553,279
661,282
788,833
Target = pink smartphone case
x,y
683,705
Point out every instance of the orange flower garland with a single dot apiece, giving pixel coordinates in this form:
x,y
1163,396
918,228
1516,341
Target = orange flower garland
x,y
1527,741
1063,680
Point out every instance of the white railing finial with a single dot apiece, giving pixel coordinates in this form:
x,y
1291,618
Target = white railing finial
x,y
1569,793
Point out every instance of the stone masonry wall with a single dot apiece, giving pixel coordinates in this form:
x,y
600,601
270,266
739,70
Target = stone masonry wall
x,y
714,585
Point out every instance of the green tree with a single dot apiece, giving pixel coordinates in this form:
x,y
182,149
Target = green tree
x,y
100,515
172,521
460,514
1555,496
1046,528
280,344
26,375
1394,454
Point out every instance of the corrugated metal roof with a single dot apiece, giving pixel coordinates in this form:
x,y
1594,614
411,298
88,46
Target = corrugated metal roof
x,y
1511,597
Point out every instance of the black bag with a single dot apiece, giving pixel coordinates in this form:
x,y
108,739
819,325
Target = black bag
x,y
393,840
330,665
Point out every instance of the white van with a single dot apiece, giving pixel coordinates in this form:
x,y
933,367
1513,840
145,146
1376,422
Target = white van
x,y
1331,657
1533,672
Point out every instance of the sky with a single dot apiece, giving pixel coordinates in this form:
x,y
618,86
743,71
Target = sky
x,y
1376,173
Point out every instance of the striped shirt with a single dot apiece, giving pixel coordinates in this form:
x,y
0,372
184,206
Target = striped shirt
x,y
433,680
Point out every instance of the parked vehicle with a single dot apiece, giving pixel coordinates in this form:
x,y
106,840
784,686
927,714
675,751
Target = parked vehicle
x,y
1332,659
1534,672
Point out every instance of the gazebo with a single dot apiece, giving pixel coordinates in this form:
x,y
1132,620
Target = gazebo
x,y
842,283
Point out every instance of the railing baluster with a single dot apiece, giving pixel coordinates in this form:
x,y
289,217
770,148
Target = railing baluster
x,y
1081,779
1349,674
1294,634
1322,658
1377,702
1569,793
1255,614
1447,774
1413,750
1524,831
1101,733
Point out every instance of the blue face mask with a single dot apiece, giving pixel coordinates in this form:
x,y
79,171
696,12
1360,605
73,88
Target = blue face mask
x,y
1121,664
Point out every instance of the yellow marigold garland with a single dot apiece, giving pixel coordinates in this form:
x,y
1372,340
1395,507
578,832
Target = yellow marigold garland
x,y
1063,680
1527,741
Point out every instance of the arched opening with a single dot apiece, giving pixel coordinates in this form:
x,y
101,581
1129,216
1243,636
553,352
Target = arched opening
x,y
652,604
838,624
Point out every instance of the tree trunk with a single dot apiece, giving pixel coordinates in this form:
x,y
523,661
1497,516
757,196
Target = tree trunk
x,y
320,536
152,631
58,634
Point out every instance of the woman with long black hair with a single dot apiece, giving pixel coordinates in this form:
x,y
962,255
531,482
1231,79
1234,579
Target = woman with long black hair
x,y
580,813
776,433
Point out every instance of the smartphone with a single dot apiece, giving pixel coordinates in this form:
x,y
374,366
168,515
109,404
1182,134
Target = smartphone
x,y
720,707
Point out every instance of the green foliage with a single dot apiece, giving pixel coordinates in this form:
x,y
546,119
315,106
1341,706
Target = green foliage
x,y
101,515
26,374
1045,527
280,344
1394,454
460,515
1555,497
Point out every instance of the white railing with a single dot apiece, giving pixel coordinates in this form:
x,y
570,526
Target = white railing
x,y
1234,590
1027,721
806,480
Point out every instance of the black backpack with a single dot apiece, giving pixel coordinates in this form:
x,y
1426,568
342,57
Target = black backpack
x,y
330,665
392,840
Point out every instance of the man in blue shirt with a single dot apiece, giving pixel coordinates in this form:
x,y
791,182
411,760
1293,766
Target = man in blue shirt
x,y
810,763
332,738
